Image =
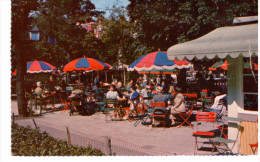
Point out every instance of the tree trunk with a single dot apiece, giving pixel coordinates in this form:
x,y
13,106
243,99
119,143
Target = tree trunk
x,y
20,84
181,80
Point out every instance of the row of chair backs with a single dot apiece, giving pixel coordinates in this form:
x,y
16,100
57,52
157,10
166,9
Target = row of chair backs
x,y
158,104
111,101
206,116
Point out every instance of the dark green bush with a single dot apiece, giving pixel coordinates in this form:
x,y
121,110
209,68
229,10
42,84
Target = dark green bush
x,y
31,142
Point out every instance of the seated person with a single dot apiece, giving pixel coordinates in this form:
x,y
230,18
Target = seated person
x,y
130,84
87,87
178,105
145,91
134,98
219,105
98,95
38,89
112,93
165,91
160,97
138,87
119,89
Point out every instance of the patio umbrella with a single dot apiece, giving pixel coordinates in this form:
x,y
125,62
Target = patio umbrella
x,y
224,65
85,64
182,64
248,65
14,73
156,60
214,66
155,71
39,67
109,66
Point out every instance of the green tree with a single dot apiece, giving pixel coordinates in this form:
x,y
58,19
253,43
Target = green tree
x,y
162,23
61,19
119,38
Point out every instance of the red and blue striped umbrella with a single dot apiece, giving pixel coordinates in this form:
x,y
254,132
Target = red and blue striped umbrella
x,y
109,66
39,66
85,64
157,61
182,64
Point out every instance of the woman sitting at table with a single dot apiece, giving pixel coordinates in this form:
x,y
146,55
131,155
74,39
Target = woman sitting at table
x,y
145,91
112,93
178,105
134,98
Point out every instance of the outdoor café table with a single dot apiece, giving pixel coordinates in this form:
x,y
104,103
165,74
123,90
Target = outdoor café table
x,y
127,95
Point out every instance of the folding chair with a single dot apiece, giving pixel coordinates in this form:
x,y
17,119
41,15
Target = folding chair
x,y
101,106
109,103
159,113
255,145
186,116
203,117
218,141
141,110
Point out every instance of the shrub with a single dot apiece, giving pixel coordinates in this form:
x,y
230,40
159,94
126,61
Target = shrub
x,y
31,142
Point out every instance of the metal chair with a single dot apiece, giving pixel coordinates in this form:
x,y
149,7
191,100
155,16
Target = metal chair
x,y
254,147
203,117
141,110
185,116
219,141
110,106
159,113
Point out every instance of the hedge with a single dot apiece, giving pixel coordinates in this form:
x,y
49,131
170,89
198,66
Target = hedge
x,y
31,142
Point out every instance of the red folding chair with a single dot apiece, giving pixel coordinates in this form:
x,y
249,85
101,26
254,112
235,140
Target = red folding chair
x,y
186,116
255,145
203,117
160,116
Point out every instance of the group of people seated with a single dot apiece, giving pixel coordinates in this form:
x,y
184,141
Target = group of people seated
x,y
136,92
161,93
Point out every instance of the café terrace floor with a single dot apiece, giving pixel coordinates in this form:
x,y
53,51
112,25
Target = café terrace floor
x,y
165,141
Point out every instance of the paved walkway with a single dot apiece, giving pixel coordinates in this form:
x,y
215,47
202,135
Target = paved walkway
x,y
169,140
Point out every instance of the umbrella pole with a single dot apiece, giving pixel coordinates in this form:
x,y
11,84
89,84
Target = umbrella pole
x,y
124,76
106,75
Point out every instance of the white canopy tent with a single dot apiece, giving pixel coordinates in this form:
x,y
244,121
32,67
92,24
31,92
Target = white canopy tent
x,y
233,43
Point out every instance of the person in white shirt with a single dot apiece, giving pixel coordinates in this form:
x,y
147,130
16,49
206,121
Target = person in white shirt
x,y
112,93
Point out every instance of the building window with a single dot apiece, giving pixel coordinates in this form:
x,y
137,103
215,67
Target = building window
x,y
34,36
250,84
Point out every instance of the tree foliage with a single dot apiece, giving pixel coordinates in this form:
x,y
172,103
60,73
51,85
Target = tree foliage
x,y
62,19
162,23
119,38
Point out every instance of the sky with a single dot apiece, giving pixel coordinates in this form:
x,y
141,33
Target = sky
x,y
103,4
